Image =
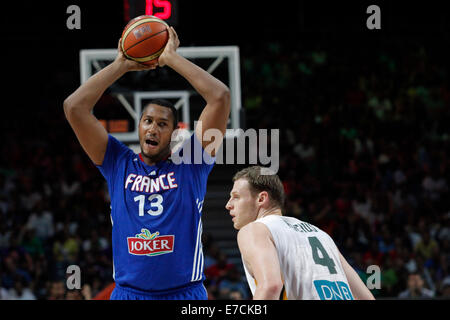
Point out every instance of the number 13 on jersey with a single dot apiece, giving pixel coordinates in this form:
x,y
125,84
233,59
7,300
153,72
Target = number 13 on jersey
x,y
155,200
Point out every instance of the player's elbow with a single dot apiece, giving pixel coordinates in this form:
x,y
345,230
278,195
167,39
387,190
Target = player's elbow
x,y
225,94
271,289
71,107
225,99
275,288
222,97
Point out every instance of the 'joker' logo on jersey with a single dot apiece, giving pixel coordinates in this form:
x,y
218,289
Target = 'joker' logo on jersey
x,y
150,244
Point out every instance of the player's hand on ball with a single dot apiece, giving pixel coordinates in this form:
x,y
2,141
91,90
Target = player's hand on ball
x,y
170,48
130,65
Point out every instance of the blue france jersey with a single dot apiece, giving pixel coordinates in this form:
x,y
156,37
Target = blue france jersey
x,y
156,217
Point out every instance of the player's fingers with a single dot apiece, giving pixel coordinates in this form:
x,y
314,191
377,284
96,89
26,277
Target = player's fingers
x,y
174,32
175,36
154,64
147,67
143,67
171,35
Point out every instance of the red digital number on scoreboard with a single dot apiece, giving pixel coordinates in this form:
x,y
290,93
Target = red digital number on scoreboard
x,y
165,5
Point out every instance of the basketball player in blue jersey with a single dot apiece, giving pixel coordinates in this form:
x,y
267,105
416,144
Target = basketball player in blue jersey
x,y
155,204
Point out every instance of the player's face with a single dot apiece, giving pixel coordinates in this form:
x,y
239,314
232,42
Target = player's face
x,y
242,204
155,130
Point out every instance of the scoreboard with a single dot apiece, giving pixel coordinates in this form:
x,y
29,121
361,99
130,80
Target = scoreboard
x,y
166,10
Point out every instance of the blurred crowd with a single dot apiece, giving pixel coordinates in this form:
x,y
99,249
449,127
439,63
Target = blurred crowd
x,y
364,156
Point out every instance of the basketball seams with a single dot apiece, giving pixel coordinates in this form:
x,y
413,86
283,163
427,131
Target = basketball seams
x,y
140,41
139,22
149,58
132,25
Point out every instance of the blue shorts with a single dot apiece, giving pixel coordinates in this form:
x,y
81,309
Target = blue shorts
x,y
196,291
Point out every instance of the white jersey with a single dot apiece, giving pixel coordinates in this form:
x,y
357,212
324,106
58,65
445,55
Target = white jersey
x,y
309,261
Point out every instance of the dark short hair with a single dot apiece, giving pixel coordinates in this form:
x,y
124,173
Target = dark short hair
x,y
259,182
167,104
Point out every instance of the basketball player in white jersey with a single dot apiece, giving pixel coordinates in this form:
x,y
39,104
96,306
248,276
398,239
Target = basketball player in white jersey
x,y
284,257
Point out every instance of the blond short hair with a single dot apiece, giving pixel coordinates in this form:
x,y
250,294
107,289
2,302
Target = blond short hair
x,y
259,182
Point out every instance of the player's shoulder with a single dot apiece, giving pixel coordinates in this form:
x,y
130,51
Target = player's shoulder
x,y
251,234
272,217
117,147
274,220
254,229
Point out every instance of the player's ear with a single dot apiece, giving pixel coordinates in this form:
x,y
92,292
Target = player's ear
x,y
263,198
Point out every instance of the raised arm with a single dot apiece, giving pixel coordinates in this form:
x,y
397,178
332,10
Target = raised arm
x,y
261,259
79,105
216,94
359,289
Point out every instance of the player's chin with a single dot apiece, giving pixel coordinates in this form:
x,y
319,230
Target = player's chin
x,y
150,152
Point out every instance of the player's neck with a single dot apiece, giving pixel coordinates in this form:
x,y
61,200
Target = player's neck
x,y
267,212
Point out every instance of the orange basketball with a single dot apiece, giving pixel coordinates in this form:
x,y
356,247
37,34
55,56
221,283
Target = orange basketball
x,y
144,39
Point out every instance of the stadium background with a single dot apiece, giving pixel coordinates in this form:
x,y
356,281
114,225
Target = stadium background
x,y
364,139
